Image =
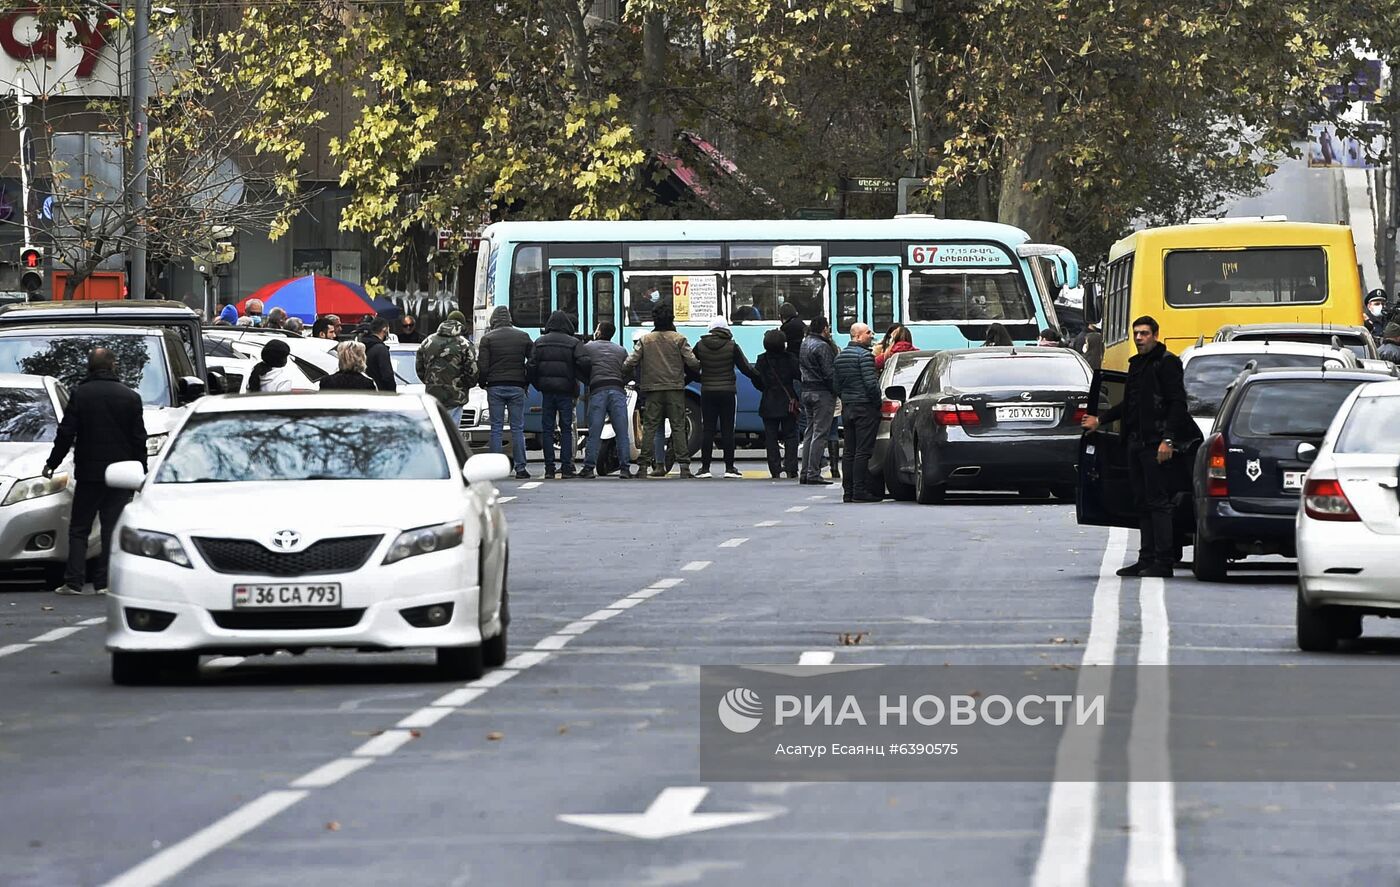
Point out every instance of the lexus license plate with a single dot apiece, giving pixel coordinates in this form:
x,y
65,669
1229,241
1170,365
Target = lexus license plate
x,y
1293,480
324,594
1025,414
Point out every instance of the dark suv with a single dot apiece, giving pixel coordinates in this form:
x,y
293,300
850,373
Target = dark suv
x,y
1249,472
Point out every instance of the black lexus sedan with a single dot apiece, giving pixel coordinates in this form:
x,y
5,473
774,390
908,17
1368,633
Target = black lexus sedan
x,y
991,419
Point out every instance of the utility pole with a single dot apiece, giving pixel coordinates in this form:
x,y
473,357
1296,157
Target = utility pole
x,y
22,100
140,87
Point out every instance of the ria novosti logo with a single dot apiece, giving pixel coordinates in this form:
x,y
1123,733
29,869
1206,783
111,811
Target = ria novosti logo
x,y
740,710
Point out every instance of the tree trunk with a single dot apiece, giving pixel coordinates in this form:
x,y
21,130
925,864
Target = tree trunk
x,y
653,123
1026,163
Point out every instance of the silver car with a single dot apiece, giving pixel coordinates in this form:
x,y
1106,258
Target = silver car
x,y
34,509
901,369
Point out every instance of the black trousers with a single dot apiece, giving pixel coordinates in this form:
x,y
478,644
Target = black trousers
x,y
782,430
717,413
1152,500
92,500
861,423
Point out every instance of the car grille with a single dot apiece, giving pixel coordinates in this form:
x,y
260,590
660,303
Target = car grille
x,y
468,418
245,556
286,620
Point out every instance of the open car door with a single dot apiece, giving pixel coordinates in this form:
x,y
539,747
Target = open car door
x,y
1105,496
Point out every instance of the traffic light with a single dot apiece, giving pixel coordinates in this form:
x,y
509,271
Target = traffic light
x,y
31,263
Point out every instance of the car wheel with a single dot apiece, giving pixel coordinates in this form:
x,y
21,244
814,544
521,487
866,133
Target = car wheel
x,y
925,493
1063,492
1210,560
1346,623
1316,631
898,489
493,650
607,457
141,669
460,663
694,426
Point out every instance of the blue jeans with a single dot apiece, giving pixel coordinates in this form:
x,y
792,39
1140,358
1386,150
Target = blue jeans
x,y
499,398
561,406
456,414
609,403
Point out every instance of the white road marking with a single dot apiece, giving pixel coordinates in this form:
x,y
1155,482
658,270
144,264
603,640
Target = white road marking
x,y
555,642
796,508
56,634
504,499
644,594
530,486
426,716
1072,814
96,620
666,583
695,566
767,523
816,657
626,603
385,743
459,698
734,543
176,858
576,627
672,813
527,660
13,648
815,498
493,678
330,774
1152,854
600,615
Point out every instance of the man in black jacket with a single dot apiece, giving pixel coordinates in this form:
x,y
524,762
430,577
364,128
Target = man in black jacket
x,y
719,357
378,366
106,418
501,358
601,361
553,368
1156,426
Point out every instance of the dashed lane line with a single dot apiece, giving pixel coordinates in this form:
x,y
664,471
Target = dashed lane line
x,y
797,508
555,642
734,543
9,649
530,486
504,499
816,657
57,634
695,566
767,523
53,634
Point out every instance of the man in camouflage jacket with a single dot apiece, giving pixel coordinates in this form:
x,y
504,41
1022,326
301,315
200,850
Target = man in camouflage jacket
x,y
446,363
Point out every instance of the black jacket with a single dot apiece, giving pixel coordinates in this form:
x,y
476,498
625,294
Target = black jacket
x,y
817,362
719,356
346,381
503,352
601,361
856,379
378,366
106,418
794,329
777,375
553,366
413,338
1154,401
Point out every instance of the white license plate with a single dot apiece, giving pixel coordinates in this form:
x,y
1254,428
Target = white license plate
x,y
325,594
1025,414
1293,480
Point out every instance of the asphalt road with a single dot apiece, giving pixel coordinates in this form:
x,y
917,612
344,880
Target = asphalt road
x,y
365,769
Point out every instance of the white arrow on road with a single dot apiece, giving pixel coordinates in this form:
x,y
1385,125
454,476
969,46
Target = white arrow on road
x,y
672,813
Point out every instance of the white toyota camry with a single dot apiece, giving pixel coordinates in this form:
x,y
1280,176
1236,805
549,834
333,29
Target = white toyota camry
x,y
292,521
1349,523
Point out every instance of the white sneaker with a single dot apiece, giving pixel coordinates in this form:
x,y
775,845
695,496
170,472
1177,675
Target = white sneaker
x,y
729,472
704,474
75,592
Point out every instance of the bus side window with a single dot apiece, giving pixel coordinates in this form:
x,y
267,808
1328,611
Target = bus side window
x,y
882,300
527,288
847,300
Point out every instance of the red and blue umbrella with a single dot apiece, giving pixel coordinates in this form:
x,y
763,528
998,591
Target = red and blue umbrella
x,y
313,295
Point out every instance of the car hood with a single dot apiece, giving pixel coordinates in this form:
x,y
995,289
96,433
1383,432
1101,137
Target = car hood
x,y
21,460
160,420
314,509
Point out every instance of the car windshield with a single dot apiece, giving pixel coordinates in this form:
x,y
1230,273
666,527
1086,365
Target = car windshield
x,y
64,356
1290,408
1209,375
1373,426
1353,343
405,366
307,444
27,416
1017,371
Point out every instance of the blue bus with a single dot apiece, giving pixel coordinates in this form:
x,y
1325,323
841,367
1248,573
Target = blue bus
x,y
946,280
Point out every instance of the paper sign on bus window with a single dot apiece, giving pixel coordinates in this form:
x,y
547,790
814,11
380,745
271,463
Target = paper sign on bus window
x,y
695,298
963,255
791,256
680,298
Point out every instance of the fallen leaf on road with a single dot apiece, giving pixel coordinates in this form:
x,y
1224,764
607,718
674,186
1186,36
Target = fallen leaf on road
x,y
415,733
495,736
1057,640
564,728
332,826
852,638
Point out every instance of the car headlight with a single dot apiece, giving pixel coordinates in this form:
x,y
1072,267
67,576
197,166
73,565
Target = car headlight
x,y
156,442
161,546
34,487
425,540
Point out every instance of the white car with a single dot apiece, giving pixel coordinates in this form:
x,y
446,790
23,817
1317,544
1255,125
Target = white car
x,y
1348,526
404,358
236,371
286,521
1210,367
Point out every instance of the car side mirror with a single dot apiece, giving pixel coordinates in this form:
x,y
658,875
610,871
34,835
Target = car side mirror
x,y
1307,452
486,468
190,388
897,392
125,475
215,382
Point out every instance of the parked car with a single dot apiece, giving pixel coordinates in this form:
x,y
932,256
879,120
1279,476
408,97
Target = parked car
x,y
1249,472
1211,367
34,509
152,361
1356,339
252,534
991,418
236,371
901,370
404,358
1349,524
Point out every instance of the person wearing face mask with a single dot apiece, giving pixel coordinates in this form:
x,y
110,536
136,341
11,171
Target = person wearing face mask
x,y
1376,315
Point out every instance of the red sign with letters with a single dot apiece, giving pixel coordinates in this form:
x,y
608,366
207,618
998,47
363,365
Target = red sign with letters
x,y
91,39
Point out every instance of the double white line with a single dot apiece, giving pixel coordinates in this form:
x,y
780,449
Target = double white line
x,y
1071,819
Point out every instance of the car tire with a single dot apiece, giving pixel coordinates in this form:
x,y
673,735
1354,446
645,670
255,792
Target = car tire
x,y
925,493
898,489
461,663
144,669
1210,561
607,457
494,650
1316,629
694,426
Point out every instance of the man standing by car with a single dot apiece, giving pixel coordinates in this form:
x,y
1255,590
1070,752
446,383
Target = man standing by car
x,y
858,386
664,356
1390,343
602,360
818,398
446,363
379,367
553,369
1156,426
502,355
105,417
